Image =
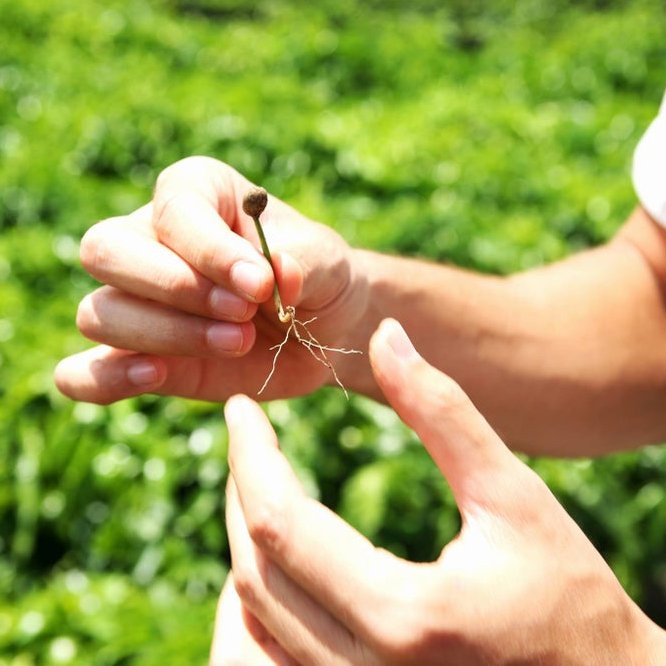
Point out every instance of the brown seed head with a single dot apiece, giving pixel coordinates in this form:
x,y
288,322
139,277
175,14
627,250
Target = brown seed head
x,y
255,201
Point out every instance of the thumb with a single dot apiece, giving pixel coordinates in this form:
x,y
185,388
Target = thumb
x,y
476,463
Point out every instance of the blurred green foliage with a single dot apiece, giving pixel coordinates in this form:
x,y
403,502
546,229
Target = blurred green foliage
x,y
495,135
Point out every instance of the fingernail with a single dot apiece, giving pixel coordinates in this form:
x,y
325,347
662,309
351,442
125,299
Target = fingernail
x,y
224,337
247,277
398,341
142,373
225,304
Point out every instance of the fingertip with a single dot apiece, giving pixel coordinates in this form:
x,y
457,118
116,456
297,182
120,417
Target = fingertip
x,y
250,431
391,353
238,409
379,337
239,416
391,336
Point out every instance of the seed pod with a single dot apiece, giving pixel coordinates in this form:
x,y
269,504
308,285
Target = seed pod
x,y
255,201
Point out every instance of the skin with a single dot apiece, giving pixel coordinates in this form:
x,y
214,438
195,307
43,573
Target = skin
x,y
521,584
176,304
565,360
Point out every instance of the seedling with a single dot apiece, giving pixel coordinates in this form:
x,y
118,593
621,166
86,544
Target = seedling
x,y
254,204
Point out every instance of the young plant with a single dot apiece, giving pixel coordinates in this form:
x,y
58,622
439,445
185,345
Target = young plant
x,y
254,203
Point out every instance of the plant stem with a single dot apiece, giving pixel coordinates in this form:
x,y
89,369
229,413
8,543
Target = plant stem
x,y
283,316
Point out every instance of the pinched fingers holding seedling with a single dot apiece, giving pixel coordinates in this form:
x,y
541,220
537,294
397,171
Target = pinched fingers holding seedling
x,y
186,284
254,204
180,250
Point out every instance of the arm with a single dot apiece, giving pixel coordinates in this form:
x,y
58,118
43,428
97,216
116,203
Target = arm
x,y
564,360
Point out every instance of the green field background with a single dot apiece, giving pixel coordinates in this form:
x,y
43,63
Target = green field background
x,y
496,136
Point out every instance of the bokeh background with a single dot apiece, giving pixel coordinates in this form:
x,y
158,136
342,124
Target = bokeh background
x,y
494,135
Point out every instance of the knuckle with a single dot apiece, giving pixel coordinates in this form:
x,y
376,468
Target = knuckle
x,y
186,289
92,249
406,640
187,167
398,638
86,321
247,583
397,633
449,396
162,179
174,171
167,206
215,261
412,624
266,526
180,283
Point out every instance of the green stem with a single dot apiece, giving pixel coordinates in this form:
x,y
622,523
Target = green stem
x,y
283,316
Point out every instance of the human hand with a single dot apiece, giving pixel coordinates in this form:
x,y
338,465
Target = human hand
x,y
186,308
240,639
520,584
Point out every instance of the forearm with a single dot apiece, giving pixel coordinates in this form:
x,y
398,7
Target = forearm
x,y
564,360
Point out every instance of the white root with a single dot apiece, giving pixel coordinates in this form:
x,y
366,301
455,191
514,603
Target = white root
x,y
305,338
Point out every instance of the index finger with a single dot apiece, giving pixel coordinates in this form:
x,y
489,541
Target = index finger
x,y
335,564
196,213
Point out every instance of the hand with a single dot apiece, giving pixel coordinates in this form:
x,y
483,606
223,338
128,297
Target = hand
x,y
520,584
186,308
240,638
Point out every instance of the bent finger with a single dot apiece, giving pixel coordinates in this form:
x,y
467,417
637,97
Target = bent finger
x,y
334,563
124,321
191,198
301,626
119,253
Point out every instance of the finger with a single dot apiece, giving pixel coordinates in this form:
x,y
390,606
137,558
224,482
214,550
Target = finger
x,y
119,253
468,452
304,629
191,198
335,564
124,321
104,374
239,638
